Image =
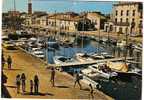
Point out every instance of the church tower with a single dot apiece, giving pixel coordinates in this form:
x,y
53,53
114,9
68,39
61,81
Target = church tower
x,y
29,7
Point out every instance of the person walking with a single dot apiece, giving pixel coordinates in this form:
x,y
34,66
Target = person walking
x,y
52,80
23,79
91,91
9,61
77,80
31,86
18,79
36,84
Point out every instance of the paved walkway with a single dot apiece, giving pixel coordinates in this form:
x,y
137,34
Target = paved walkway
x,y
23,62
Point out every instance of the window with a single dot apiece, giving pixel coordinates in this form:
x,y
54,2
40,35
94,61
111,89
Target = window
x,y
127,12
140,24
120,29
126,20
141,14
116,12
126,30
121,12
115,20
121,20
133,20
133,12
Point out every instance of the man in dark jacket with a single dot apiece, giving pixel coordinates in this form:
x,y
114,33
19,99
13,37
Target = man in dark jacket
x,y
52,76
9,61
36,84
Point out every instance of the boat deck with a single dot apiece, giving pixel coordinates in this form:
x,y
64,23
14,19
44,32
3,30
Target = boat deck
x,y
89,62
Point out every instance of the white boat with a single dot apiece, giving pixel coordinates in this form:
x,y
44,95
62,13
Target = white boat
x,y
89,72
82,57
87,80
96,56
106,55
103,70
138,47
121,44
38,52
33,39
63,60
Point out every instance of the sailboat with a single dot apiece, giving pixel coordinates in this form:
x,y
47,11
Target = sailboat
x,y
81,56
62,59
123,67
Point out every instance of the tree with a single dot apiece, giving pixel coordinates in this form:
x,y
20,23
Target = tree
x,y
84,25
13,22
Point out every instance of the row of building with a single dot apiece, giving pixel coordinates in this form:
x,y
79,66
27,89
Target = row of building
x,y
65,21
126,17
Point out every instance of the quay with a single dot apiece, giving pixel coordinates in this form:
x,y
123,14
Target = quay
x,y
89,62
24,63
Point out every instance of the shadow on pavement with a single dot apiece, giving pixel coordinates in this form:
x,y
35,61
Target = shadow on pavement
x,y
39,94
10,86
62,86
11,69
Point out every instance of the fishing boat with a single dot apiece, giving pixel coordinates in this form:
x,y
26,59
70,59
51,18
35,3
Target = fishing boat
x,y
123,68
63,60
82,57
103,70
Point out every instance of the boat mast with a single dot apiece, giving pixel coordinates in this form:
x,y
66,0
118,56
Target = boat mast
x,y
55,26
83,28
126,37
99,40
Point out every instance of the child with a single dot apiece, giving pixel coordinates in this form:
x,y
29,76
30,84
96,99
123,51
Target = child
x,y
31,86
18,79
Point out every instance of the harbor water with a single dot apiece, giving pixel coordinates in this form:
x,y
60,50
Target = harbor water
x,y
124,88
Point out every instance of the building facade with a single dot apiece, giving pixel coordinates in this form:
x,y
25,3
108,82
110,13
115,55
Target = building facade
x,y
62,22
126,18
97,19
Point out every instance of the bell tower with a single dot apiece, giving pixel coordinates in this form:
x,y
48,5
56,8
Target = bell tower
x,y
29,7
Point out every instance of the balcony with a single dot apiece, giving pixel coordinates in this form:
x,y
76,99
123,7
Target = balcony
x,y
121,23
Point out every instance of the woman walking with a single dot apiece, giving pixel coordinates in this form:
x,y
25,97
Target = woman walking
x,y
23,79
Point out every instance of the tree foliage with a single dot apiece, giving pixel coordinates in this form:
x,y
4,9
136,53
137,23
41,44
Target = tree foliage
x,y
14,22
85,25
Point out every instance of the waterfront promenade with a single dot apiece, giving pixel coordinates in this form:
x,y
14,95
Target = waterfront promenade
x,y
24,63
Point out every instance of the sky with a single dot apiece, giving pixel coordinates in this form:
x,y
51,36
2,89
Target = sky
x,y
59,5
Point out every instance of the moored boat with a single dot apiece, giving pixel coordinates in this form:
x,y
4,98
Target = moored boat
x,y
63,60
82,57
103,70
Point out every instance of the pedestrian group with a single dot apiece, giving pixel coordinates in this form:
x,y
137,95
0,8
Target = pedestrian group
x,y
21,82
